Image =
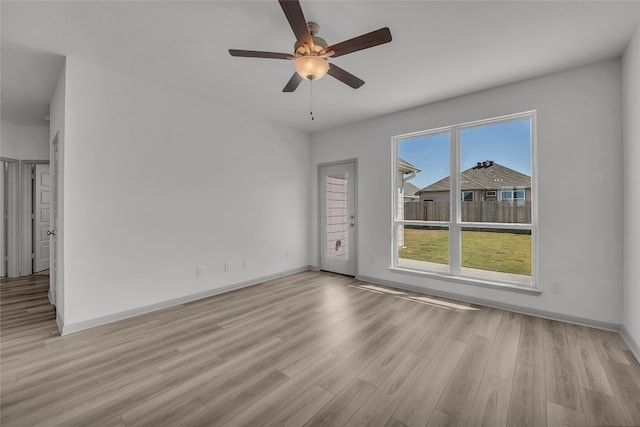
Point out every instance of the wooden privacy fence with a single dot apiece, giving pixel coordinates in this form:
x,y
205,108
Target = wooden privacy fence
x,y
505,211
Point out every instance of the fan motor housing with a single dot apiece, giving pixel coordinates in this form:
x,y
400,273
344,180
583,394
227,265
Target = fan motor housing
x,y
319,44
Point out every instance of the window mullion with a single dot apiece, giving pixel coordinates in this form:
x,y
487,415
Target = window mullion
x,y
455,203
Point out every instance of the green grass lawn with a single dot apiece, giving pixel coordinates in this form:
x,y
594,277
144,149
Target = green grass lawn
x,y
504,252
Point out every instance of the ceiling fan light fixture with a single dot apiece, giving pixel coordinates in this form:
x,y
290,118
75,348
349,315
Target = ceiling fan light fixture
x,y
311,67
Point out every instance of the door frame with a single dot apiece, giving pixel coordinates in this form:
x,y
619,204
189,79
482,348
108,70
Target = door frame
x,y
56,254
355,209
13,194
26,204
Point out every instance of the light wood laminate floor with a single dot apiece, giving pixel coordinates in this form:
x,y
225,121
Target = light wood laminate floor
x,y
313,349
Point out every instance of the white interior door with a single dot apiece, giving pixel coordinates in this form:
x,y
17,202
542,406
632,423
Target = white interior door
x,y
337,218
42,218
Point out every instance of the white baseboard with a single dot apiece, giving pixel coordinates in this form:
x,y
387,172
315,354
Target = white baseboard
x,y
99,321
502,306
59,321
52,297
633,346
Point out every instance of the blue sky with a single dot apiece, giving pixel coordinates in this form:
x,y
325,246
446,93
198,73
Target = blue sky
x,y
506,143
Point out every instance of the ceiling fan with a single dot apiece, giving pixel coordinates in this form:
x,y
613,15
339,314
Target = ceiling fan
x,y
311,52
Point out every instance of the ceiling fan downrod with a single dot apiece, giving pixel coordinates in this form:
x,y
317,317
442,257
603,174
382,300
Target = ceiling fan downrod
x,y
311,99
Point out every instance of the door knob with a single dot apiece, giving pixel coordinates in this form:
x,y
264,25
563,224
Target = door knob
x,y
51,233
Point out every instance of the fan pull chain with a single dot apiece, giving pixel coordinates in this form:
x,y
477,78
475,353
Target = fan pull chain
x,y
311,99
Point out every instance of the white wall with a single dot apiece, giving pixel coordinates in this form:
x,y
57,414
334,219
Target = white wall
x,y
631,151
25,142
34,142
10,140
580,187
158,183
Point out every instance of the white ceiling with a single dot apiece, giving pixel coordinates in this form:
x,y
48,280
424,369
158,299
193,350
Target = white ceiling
x,y
439,50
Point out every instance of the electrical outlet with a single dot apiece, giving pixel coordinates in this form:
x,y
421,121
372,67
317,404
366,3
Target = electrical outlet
x,y
287,255
227,266
555,287
198,271
245,264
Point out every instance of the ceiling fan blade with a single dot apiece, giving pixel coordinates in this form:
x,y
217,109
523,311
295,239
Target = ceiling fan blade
x,y
258,54
293,83
344,76
365,41
293,12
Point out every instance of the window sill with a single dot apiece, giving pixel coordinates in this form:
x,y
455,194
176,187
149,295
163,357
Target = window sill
x,y
529,290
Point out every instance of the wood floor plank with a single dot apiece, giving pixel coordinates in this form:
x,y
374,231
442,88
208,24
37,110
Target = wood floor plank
x,y
502,360
601,409
558,415
343,372
608,346
382,366
459,395
384,401
381,327
589,370
301,409
308,349
625,380
230,404
71,406
528,406
631,359
394,423
435,334
276,401
491,406
341,408
531,343
304,353
561,383
465,327
489,322
440,419
416,408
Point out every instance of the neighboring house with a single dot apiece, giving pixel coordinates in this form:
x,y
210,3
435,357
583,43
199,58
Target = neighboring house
x,y
411,192
487,181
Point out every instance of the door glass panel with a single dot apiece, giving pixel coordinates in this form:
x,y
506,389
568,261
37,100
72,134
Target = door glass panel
x,y
337,236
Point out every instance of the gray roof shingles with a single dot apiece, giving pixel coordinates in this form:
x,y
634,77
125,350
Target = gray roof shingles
x,y
491,177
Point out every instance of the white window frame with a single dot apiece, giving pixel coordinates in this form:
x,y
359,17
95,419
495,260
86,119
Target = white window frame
x,y
455,224
462,193
512,192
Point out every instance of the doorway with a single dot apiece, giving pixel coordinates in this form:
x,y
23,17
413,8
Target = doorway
x,y
337,217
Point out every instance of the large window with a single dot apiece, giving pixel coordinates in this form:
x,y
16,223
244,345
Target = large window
x,y
479,225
